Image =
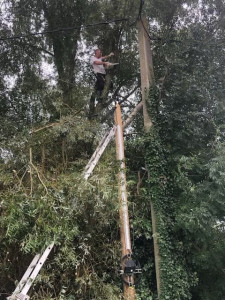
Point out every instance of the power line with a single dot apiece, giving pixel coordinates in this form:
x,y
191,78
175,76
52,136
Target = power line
x,y
157,38
139,13
164,40
139,17
62,29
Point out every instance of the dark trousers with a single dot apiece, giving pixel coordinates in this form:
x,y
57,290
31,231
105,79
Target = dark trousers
x,y
96,95
100,82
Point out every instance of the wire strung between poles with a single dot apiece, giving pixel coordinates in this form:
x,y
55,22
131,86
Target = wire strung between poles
x,y
62,29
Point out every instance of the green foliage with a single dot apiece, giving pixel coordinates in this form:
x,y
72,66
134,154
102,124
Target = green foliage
x,y
201,217
78,216
46,141
176,278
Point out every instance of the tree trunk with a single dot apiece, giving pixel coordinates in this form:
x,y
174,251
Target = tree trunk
x,y
64,47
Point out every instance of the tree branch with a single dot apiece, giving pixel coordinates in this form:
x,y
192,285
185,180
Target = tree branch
x,y
133,114
37,48
44,127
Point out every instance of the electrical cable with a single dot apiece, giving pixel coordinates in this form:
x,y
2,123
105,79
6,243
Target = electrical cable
x,y
142,2
139,13
62,29
139,17
157,38
164,40
150,38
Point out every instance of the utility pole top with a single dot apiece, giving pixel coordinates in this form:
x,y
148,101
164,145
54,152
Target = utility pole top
x,y
146,66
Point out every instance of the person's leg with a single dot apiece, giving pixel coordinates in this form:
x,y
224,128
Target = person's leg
x,y
92,104
99,85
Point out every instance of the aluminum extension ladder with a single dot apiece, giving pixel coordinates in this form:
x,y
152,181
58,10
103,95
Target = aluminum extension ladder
x,y
29,276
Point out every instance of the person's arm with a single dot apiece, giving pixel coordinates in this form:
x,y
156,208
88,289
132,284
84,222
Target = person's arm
x,y
107,56
97,62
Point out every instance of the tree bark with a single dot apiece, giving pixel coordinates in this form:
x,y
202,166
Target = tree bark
x,y
64,47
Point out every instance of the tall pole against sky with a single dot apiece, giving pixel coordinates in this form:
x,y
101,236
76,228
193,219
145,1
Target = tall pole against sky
x,y
129,291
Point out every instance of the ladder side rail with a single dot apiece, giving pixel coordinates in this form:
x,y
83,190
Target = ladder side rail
x,y
26,275
102,142
36,270
24,278
105,141
96,152
96,156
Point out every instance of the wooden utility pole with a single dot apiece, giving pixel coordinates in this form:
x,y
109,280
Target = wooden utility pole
x,y
129,291
146,66
147,80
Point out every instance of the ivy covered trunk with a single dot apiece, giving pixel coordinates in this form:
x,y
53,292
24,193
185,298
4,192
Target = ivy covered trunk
x,y
175,278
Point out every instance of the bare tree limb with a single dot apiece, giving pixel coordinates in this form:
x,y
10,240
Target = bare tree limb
x,y
20,181
39,177
133,114
44,127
